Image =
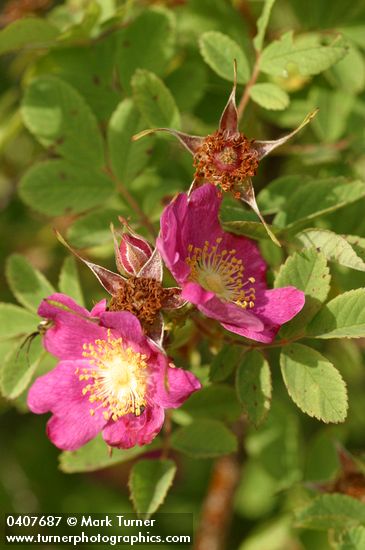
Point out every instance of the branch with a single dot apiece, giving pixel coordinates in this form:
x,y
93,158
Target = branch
x,y
143,218
217,508
246,93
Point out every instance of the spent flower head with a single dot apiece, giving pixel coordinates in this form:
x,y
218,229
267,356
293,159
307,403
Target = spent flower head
x,y
227,157
137,287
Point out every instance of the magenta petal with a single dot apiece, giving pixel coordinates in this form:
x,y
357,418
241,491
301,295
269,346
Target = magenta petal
x,y
60,392
196,294
175,386
274,308
126,324
132,430
188,221
280,304
72,327
232,314
98,309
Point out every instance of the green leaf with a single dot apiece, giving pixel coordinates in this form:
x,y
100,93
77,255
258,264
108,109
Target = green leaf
x,y
274,535
96,455
353,539
89,69
28,285
342,317
269,96
217,402
316,198
219,51
253,386
28,33
313,383
128,158
349,73
62,121
333,511
254,230
262,23
307,53
69,282
19,368
334,247
274,196
358,244
57,188
334,106
188,83
307,271
149,483
154,100
146,43
94,228
204,439
15,321
224,363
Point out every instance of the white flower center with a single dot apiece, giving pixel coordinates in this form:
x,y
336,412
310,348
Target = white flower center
x,y
220,271
118,378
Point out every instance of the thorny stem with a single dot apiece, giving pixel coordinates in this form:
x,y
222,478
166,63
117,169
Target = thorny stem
x,y
144,219
246,93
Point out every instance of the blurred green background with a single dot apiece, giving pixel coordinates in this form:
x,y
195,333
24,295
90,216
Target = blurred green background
x,y
271,485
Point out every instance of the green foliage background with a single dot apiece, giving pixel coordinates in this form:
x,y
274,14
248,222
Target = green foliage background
x,y
76,84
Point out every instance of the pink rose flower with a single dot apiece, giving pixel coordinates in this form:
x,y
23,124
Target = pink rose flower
x,y
223,274
111,378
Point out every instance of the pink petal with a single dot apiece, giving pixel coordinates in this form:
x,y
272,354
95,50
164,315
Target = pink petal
x,y
274,308
132,430
230,313
72,326
98,309
174,386
60,392
280,304
127,326
196,294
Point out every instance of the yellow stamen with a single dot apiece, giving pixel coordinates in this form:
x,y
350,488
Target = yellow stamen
x,y
221,272
117,378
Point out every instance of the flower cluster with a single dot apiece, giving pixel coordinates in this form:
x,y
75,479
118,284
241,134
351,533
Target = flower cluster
x,y
114,375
